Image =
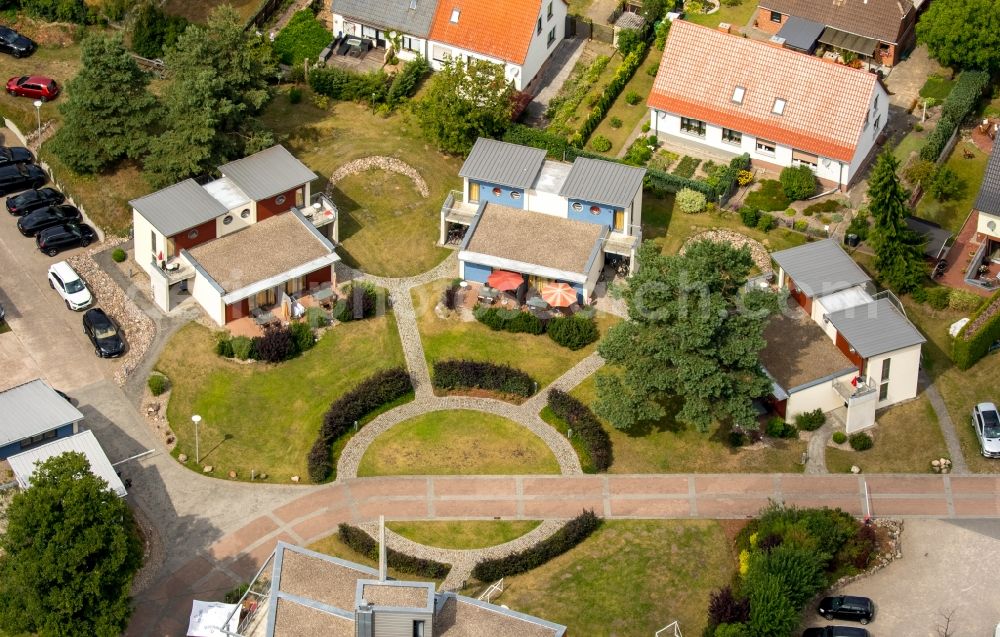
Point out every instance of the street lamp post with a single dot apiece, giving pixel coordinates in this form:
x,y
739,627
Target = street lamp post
x,y
38,117
197,455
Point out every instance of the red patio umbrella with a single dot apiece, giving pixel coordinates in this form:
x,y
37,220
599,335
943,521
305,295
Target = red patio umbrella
x,y
559,294
505,280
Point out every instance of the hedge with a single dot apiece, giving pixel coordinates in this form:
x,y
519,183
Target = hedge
x,y
338,84
974,340
366,545
960,102
584,423
575,531
464,374
574,332
404,84
515,321
553,145
377,390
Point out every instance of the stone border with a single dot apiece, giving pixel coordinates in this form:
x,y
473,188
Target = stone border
x,y
760,255
379,162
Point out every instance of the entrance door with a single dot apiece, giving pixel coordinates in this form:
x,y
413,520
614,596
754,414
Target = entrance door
x,y
619,220
473,192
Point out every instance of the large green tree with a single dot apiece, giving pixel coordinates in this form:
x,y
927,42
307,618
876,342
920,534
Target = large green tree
x,y
108,111
466,100
898,250
963,33
69,554
692,333
220,85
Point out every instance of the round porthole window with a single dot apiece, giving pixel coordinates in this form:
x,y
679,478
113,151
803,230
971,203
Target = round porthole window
x,y
496,192
595,210
193,234
228,219
245,213
577,206
280,199
992,225
515,195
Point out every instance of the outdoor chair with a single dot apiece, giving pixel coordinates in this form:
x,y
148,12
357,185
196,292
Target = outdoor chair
x,y
488,295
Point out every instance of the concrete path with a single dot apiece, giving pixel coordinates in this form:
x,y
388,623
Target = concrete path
x,y
551,78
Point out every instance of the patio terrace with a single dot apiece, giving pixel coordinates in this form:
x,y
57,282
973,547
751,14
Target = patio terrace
x,y
969,246
356,54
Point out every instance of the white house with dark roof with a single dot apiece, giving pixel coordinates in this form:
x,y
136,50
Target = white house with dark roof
x,y
33,413
25,463
875,358
239,244
409,20
549,220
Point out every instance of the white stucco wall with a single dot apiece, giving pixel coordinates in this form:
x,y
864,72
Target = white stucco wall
x,y
903,373
593,275
209,298
346,26
822,396
142,241
878,109
983,225
547,203
238,222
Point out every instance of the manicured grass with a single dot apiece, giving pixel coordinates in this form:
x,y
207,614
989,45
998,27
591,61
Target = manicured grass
x,y
907,438
937,87
668,446
951,214
198,10
450,338
470,534
961,391
456,443
404,230
266,417
910,143
630,114
769,197
736,16
58,62
629,578
334,547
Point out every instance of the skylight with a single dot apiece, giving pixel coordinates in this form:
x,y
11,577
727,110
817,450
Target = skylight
x,y
738,94
454,15
779,106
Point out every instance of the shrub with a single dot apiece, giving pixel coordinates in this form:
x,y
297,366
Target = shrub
x,y
624,73
360,301
629,40
364,544
920,172
157,384
304,37
339,84
962,301
771,612
584,423
939,297
600,143
224,346
57,10
858,550
303,336
791,213
769,197
572,533
465,374
737,439
153,31
690,201
294,95
404,84
645,127
744,178
859,224
830,205
615,122
632,98
778,428
276,345
317,317
919,294
726,608
574,332
946,184
801,225
686,167
797,182
118,255
975,339
861,441
554,145
638,153
810,420
839,437
750,216
767,222
243,347
508,320
653,69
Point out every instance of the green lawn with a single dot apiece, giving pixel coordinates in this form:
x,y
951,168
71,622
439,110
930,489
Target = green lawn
x,y
457,442
391,238
198,10
668,446
630,114
961,391
736,16
266,417
907,438
450,338
934,325
469,534
937,87
334,547
951,214
910,144
629,578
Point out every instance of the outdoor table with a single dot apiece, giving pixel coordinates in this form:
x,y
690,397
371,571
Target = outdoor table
x,y
537,302
323,294
263,318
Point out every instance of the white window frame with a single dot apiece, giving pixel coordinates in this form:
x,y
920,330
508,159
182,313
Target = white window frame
x,y
732,133
694,131
762,150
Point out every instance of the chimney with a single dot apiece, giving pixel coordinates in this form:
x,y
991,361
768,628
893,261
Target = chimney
x,y
725,27
777,41
381,549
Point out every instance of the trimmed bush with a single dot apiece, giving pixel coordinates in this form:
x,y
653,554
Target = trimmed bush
x,y
810,420
585,424
339,84
797,182
303,336
276,345
975,339
800,225
404,84
615,122
690,201
574,332
303,37
157,384
600,143
515,321
960,102
366,545
632,98
778,428
360,302
224,346
639,153
724,607
750,216
946,184
861,441
769,197
839,437
962,301
575,531
465,374
118,255
938,297
767,222
243,347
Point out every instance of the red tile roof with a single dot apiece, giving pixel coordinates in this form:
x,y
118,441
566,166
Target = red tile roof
x,y
825,104
499,30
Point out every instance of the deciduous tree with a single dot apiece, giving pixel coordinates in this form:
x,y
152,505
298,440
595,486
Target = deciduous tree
x,y
963,33
898,250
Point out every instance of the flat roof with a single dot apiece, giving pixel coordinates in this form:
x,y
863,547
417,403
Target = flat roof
x,y
820,267
293,619
503,163
266,249
266,173
31,409
799,352
876,328
227,193
176,208
845,299
463,617
607,182
936,236
551,176
23,464
396,594
534,238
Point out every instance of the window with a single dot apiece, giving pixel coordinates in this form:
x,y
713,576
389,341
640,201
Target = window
x,y
619,220
779,106
765,147
693,126
865,127
280,199
539,28
799,158
738,94
152,240
193,234
549,12
245,213
732,136
515,194
552,37
876,101
885,369
440,54
577,206
293,286
410,44
595,210
496,192
418,628
454,15
883,391
877,122
228,219
775,17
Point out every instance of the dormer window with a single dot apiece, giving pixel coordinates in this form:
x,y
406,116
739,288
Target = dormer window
x,y
779,106
454,15
738,94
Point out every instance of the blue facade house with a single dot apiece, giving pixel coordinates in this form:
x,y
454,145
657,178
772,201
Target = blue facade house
x,y
32,414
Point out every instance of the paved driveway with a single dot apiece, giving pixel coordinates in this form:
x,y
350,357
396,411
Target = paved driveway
x,y
947,567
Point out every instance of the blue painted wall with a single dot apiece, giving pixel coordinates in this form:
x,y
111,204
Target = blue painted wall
x,y
504,198
606,217
15,447
476,272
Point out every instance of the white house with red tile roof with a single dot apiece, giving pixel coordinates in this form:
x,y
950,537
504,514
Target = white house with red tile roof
x,y
782,107
519,34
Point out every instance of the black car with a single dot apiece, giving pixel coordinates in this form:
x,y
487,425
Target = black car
x,y
34,222
18,177
836,631
16,44
30,200
859,609
103,333
53,240
15,155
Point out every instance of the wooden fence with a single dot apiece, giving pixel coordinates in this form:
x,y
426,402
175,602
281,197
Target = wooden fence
x,y
264,13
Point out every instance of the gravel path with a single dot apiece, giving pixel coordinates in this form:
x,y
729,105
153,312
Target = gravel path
x,y
958,464
576,375
816,449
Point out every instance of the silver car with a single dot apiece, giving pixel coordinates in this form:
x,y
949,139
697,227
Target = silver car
x,y
986,421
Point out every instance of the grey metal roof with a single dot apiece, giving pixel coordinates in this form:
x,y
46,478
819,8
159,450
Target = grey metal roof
x,y
178,207
510,165
936,236
800,34
876,328
409,16
606,182
988,200
267,173
23,464
32,409
821,267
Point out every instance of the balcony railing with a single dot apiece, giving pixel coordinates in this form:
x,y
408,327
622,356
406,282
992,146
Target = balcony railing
x,y
322,210
455,210
851,392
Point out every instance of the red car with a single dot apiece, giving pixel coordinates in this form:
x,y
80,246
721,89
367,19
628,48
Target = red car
x,y
37,87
